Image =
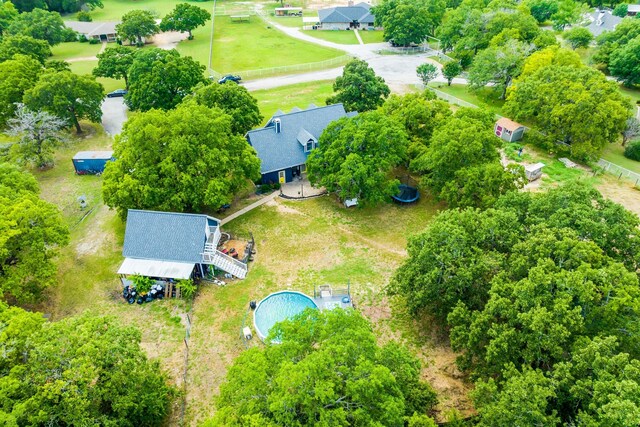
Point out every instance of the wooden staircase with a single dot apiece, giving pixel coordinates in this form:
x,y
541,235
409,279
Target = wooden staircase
x,y
225,262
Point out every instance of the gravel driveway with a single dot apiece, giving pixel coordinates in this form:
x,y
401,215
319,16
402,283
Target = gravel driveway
x,y
114,114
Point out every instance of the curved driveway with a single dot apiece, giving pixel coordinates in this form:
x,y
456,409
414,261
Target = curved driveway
x,y
394,69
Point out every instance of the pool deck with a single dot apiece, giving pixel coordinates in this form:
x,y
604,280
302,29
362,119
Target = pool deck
x,y
331,302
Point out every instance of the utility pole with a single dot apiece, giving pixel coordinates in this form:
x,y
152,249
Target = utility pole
x,y
213,18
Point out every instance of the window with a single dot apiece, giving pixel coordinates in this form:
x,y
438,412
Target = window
x,y
309,146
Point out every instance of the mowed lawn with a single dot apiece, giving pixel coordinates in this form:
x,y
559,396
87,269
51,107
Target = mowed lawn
x,y
298,95
485,97
615,154
372,36
64,51
251,45
114,9
335,36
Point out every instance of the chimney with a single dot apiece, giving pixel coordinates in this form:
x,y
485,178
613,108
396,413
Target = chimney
x,y
277,125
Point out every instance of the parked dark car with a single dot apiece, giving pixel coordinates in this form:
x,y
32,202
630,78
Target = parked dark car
x,y
116,93
230,78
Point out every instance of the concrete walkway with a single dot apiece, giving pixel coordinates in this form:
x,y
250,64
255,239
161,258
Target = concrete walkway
x,y
357,33
249,208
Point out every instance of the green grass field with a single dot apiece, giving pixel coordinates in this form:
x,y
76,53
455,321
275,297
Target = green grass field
x,y
251,45
615,154
286,97
371,36
340,37
64,51
114,9
486,97
288,21
633,94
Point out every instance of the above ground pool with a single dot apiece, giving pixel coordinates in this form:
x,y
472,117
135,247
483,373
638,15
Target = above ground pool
x,y
407,194
278,307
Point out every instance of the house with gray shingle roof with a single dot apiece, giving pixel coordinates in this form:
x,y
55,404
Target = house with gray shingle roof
x,y
174,246
103,31
601,21
346,17
287,139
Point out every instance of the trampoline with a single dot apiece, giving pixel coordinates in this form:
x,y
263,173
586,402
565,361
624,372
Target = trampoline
x,y
407,194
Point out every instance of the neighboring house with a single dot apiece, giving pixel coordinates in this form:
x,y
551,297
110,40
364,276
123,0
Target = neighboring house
x,y
170,246
287,139
633,9
508,130
346,17
102,31
601,21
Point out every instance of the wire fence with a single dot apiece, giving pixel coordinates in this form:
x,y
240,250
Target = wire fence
x,y
619,171
606,165
287,69
450,98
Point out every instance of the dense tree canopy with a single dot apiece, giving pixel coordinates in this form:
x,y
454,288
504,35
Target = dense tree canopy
x,y
137,25
185,160
355,156
409,21
68,96
40,24
539,293
31,231
233,99
161,79
462,251
85,370
462,166
574,105
578,37
16,77
115,63
610,41
29,5
359,89
420,113
498,65
24,45
185,17
542,10
625,63
8,13
71,6
316,377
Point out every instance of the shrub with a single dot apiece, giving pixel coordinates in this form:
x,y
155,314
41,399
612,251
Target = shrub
x,y
82,38
94,41
187,288
632,151
84,16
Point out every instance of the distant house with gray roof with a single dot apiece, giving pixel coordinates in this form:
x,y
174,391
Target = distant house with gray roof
x,y
102,31
601,21
173,246
284,143
346,17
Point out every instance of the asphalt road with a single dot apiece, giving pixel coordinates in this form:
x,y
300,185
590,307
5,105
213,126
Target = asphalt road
x,y
114,114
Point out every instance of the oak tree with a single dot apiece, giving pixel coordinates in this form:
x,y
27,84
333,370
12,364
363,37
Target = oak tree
x,y
183,160
185,17
68,96
359,89
356,155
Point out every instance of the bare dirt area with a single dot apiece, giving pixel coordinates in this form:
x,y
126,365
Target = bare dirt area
x,y
620,191
169,39
438,361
